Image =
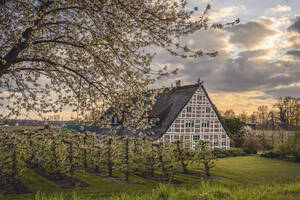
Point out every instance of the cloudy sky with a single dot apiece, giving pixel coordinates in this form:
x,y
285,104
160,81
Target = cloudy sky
x,y
258,61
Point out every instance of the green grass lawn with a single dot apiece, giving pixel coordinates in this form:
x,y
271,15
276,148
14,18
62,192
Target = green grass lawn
x,y
237,171
258,170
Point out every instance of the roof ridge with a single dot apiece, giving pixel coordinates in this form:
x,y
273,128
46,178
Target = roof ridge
x,y
174,87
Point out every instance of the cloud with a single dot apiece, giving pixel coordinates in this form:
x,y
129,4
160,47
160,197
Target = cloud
x,y
250,34
280,8
205,1
246,73
294,53
293,91
246,63
222,13
191,69
293,34
295,27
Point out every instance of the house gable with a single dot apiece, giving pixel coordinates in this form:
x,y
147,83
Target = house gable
x,y
198,120
184,113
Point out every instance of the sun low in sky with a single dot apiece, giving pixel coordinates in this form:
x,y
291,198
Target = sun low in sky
x,y
258,60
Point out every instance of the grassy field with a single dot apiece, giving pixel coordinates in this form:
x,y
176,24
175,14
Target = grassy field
x,y
238,172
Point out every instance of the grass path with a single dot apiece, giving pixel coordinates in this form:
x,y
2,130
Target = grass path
x,y
238,171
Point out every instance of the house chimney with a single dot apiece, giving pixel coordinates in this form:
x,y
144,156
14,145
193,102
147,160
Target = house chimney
x,y
178,83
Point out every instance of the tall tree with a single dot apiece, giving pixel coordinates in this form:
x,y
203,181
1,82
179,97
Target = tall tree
x,y
243,117
87,54
287,111
263,116
234,125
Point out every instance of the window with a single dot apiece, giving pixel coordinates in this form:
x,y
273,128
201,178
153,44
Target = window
x,y
189,123
199,97
223,142
196,138
154,122
207,109
216,143
205,124
114,120
189,109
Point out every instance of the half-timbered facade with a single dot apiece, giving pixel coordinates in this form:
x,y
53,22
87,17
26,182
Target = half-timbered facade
x,y
198,120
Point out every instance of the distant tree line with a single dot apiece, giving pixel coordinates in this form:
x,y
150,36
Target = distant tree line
x,y
283,115
283,119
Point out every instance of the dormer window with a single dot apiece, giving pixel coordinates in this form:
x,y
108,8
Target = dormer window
x,y
114,121
154,122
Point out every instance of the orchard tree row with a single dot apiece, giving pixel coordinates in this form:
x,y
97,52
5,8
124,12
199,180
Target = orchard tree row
x,y
62,154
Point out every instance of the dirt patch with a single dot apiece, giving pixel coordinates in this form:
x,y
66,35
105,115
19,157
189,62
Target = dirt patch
x,y
158,178
115,179
63,181
16,188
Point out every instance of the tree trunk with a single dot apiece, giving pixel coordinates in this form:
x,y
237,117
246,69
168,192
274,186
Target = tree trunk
x,y
85,165
207,173
97,168
109,160
184,167
71,159
14,167
152,172
109,166
180,150
126,160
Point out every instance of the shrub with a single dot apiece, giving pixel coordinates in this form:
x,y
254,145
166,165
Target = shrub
x,y
223,153
291,149
270,154
282,150
220,153
251,145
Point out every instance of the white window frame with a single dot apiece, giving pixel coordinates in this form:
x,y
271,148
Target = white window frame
x,y
154,122
208,109
189,123
224,143
206,122
114,121
198,138
216,141
189,108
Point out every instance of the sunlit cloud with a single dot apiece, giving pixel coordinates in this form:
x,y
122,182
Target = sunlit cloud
x,y
223,14
251,34
280,8
239,102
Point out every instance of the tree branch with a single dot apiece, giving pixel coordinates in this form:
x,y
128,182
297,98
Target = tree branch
x,y
65,8
59,42
64,67
11,56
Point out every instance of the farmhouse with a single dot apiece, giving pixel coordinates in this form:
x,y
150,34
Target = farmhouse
x,y
185,113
